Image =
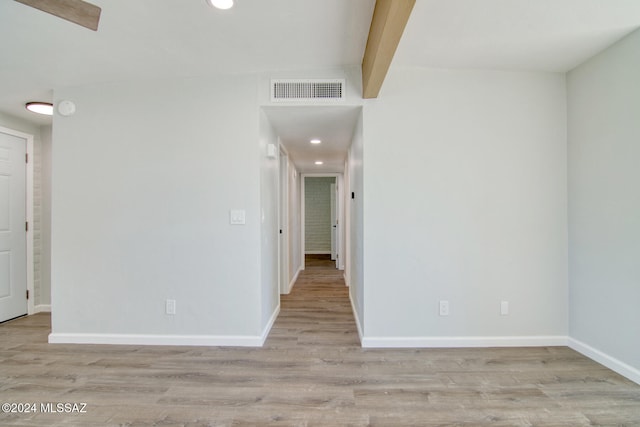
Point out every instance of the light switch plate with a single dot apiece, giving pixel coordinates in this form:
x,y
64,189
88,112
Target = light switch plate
x,y
271,151
237,217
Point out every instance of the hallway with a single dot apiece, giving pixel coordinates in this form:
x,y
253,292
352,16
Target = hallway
x,y
317,311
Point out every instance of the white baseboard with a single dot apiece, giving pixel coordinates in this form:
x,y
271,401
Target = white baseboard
x,y
456,342
610,362
293,281
177,340
346,281
174,340
357,319
267,328
42,308
317,253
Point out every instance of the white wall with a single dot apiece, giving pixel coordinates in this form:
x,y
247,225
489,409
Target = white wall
x,y
604,206
465,200
43,296
269,256
144,176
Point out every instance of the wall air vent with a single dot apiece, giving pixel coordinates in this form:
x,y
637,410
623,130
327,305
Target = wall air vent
x,y
307,90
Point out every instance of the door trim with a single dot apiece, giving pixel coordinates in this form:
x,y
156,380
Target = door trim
x,y
29,212
283,220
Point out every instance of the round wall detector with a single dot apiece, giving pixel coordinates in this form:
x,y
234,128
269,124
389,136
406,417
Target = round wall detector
x,y
66,108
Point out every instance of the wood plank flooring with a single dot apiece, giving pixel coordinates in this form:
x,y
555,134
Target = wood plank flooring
x,y
311,372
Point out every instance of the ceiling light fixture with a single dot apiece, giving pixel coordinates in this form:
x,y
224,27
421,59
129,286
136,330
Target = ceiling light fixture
x,y
319,162
45,108
315,141
221,4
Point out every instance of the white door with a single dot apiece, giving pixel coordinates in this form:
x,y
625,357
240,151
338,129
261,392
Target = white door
x,y
13,238
334,224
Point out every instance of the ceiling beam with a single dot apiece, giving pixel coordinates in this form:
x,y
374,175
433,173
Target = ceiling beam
x,y
387,25
77,11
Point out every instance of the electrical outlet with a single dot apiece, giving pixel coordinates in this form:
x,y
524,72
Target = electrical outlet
x,y
504,308
444,308
170,306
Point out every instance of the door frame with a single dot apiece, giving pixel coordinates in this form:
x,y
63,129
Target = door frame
x,y
283,219
340,235
29,211
335,223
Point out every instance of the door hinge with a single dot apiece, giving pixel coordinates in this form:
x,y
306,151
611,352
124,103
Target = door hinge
x,y
26,226
26,157
27,293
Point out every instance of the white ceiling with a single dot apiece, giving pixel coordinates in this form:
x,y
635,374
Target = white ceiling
x,y
543,35
333,125
138,39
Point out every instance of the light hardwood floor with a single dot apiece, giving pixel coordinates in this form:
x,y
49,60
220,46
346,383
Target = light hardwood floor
x,y
312,372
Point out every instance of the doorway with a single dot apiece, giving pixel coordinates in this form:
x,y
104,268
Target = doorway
x,y
314,140
16,208
322,220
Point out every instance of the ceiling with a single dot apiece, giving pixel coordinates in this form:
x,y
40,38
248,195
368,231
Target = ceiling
x,y
541,35
333,125
173,38
185,38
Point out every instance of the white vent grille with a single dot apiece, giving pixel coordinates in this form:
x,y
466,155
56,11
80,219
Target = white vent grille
x,y
307,90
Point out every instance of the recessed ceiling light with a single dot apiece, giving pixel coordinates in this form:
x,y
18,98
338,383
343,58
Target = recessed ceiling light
x,y
315,141
221,4
319,162
45,108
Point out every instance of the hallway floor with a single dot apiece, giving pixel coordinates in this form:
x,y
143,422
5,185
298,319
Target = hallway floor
x,y
311,371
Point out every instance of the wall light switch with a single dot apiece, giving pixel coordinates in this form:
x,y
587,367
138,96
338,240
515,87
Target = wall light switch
x,y
271,151
237,217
